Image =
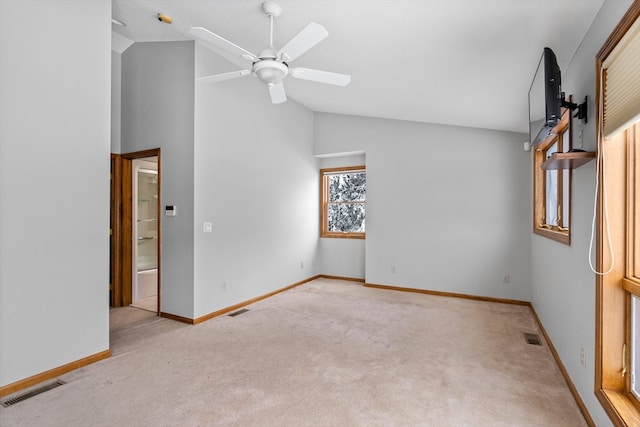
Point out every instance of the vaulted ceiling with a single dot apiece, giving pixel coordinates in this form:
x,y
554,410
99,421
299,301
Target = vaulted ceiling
x,y
459,62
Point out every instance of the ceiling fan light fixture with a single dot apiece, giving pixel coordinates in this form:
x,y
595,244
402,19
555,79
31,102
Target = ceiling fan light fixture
x,y
269,71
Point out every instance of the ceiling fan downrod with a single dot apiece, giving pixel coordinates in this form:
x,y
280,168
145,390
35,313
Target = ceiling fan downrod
x,y
272,10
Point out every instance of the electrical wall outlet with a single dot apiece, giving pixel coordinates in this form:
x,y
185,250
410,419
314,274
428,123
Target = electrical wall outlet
x,y
505,279
394,269
223,286
301,264
583,360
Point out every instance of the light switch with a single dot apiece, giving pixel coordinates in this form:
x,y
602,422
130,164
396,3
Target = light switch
x,y
208,227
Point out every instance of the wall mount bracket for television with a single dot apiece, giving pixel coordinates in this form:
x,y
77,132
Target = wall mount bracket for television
x,y
582,112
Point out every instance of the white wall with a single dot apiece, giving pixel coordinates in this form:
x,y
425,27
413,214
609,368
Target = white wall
x,y
257,181
54,183
448,206
118,45
116,100
157,112
563,284
342,257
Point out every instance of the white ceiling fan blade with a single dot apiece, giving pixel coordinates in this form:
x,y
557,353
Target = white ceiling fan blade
x,y
321,76
224,76
209,37
278,95
310,36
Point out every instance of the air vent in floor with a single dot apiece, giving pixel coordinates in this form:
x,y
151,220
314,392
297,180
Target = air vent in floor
x,y
30,394
235,313
533,339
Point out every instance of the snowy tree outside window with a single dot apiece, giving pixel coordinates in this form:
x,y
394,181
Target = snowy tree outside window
x,y
344,202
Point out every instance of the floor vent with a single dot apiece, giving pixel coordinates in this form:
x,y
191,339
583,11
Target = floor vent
x,y
236,313
533,339
32,393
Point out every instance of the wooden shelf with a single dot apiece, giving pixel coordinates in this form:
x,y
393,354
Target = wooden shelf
x,y
568,160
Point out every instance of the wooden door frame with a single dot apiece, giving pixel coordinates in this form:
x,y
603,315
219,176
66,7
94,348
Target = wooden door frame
x,y
122,225
115,264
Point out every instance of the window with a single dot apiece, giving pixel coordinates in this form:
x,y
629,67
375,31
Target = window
x,y
618,291
552,186
618,232
343,202
631,279
635,342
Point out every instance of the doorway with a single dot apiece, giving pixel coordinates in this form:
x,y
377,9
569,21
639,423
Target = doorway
x,y
144,283
136,227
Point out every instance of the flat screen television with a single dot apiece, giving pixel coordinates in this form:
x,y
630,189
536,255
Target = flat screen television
x,y
545,98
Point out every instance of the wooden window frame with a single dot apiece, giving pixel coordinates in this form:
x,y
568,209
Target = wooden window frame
x,y
614,290
631,282
557,233
633,214
324,203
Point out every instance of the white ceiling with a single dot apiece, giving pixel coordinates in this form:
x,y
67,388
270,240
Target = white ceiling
x,y
459,62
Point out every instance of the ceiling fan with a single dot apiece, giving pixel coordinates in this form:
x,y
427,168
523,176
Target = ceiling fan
x,y
271,66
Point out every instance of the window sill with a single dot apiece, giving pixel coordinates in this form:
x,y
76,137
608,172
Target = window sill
x,y
559,236
343,235
621,410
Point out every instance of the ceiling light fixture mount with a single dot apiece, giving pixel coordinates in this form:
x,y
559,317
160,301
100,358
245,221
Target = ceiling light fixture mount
x,y
271,9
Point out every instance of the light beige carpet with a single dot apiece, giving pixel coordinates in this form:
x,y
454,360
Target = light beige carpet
x,y
327,353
